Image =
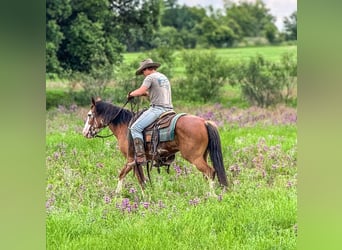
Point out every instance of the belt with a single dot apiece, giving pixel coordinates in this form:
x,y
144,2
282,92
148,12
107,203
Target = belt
x,y
154,105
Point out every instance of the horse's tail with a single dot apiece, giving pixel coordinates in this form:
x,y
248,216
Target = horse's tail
x,y
215,151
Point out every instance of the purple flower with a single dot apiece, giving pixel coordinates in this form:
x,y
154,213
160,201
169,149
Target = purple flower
x,y
194,202
125,203
146,204
178,169
107,199
56,155
50,202
161,204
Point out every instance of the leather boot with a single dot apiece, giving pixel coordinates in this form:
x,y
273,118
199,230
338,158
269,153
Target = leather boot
x,y
139,151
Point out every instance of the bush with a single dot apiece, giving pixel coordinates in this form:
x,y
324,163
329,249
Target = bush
x,y
264,83
54,98
205,75
66,98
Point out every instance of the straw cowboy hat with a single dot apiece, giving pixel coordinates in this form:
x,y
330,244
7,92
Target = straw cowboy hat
x,y
147,63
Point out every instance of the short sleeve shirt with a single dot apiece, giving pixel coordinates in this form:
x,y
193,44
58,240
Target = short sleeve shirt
x,y
159,89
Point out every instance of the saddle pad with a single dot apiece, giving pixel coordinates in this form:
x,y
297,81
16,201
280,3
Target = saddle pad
x,y
166,133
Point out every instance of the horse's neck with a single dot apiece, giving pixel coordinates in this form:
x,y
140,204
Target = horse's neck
x,y
119,131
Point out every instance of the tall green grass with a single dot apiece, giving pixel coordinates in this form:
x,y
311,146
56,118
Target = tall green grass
x,y
257,211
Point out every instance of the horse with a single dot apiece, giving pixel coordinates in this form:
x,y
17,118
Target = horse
x,y
194,138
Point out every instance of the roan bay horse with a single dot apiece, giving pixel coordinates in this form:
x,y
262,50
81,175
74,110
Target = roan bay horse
x,y
194,138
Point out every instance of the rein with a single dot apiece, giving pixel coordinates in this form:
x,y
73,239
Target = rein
x,y
105,136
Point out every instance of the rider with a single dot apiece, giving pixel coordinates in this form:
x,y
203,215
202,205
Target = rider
x,y
157,86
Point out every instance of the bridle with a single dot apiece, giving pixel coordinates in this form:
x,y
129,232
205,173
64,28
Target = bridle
x,y
102,125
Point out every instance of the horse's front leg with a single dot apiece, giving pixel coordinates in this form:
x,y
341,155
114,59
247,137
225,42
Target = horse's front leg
x,y
124,171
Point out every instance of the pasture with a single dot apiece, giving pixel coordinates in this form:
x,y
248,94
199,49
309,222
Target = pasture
x,y
272,53
257,211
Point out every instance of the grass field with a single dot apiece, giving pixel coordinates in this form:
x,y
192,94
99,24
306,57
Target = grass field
x,y
272,53
258,211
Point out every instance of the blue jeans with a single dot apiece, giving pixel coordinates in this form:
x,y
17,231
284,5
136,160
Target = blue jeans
x,y
146,119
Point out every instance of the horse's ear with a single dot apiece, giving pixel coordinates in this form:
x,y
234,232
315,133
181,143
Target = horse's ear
x,y
93,101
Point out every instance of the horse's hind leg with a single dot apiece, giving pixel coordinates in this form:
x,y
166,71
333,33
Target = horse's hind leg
x,y
202,165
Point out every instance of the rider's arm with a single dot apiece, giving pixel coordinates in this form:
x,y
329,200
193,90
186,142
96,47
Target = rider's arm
x,y
140,91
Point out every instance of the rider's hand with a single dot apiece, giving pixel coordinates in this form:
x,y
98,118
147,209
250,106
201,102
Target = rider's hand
x,y
129,97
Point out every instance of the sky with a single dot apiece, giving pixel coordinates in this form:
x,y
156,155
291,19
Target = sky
x,y
278,8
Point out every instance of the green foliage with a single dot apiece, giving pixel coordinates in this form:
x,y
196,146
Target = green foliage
x,y
96,82
290,25
205,75
135,22
64,98
94,33
253,18
263,82
126,80
212,34
79,37
54,98
166,56
85,48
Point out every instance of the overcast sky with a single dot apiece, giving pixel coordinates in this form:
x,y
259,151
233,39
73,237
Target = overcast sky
x,y
278,8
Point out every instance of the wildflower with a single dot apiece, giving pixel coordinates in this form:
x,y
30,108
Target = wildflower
x,y
263,173
132,190
125,203
178,169
50,202
194,202
161,204
107,199
56,155
146,204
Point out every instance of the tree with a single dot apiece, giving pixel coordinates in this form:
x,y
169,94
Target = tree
x,y
253,19
183,17
79,36
136,22
56,12
211,33
290,26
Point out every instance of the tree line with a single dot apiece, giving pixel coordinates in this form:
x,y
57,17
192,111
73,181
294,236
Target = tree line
x,y
89,37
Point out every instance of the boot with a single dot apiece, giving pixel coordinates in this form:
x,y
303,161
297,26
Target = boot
x,y
139,151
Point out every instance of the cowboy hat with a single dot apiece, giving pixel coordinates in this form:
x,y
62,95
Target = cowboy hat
x,y
147,63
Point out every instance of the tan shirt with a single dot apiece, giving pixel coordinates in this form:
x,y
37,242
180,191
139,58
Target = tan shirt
x,y
159,89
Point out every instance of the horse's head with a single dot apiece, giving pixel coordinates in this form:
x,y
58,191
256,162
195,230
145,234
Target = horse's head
x,y
94,122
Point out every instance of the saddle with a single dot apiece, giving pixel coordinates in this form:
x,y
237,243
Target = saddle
x,y
163,122
161,130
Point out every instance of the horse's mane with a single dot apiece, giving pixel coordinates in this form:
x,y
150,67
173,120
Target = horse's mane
x,y
110,113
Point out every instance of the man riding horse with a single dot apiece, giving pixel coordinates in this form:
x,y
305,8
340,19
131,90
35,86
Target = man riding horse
x,y
157,86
